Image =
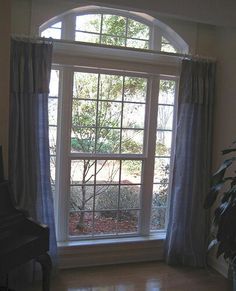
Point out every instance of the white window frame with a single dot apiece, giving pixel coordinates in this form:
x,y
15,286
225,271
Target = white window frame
x,y
64,156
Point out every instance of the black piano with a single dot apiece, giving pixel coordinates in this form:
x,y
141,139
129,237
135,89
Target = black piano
x,y
21,239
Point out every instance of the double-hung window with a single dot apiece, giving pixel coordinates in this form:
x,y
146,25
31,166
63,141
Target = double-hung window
x,y
111,122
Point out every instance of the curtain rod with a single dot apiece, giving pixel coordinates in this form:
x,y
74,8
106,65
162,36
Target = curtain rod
x,y
155,52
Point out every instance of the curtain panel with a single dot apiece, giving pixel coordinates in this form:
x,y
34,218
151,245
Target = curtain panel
x,y
29,162
186,240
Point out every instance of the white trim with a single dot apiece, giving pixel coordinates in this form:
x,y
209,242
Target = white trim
x,y
111,251
63,177
173,143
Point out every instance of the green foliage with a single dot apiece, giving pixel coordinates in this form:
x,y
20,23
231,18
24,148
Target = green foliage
x,y
162,150
160,198
113,30
137,30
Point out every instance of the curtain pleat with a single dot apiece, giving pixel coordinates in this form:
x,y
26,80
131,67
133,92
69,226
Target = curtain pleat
x,y
187,229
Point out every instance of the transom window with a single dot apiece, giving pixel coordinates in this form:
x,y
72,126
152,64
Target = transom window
x,y
110,129
115,28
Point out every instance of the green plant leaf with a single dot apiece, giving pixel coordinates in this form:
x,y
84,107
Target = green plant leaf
x,y
220,249
220,211
227,151
212,244
219,174
212,195
210,199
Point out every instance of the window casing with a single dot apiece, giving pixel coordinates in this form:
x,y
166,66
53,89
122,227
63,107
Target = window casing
x,y
134,141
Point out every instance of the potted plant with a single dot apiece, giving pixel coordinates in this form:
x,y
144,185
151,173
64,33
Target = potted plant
x,y
223,195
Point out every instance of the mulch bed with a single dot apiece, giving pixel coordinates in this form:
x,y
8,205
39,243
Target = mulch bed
x,y
102,225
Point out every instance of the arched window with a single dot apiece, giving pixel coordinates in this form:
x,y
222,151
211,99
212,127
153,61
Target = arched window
x,y
111,122
114,27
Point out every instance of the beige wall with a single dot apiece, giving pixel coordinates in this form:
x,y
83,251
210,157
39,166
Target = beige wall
x,y
5,17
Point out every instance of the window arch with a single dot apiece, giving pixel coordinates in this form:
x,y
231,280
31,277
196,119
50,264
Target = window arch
x,y
114,27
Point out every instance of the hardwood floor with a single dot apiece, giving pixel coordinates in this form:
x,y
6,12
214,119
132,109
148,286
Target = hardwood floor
x,y
153,276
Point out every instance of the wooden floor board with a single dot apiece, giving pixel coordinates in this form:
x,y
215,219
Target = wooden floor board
x,y
154,276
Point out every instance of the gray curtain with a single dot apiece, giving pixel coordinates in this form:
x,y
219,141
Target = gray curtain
x,y
29,172
187,229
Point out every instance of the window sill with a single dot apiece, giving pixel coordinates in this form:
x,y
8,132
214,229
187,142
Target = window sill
x,y
75,243
111,251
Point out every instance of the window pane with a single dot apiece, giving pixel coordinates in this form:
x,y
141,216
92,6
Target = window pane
x,y
167,92
132,141
54,83
81,198
158,219
133,115
141,44
108,141
52,169
111,87
83,113
85,85
166,46
107,172
90,22
105,222
163,143
165,117
137,30
114,25
135,89
51,32
52,111
162,170
107,197
113,40
82,172
52,134
130,196
80,223
87,37
128,221
109,114
160,192
131,172
57,25
83,140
